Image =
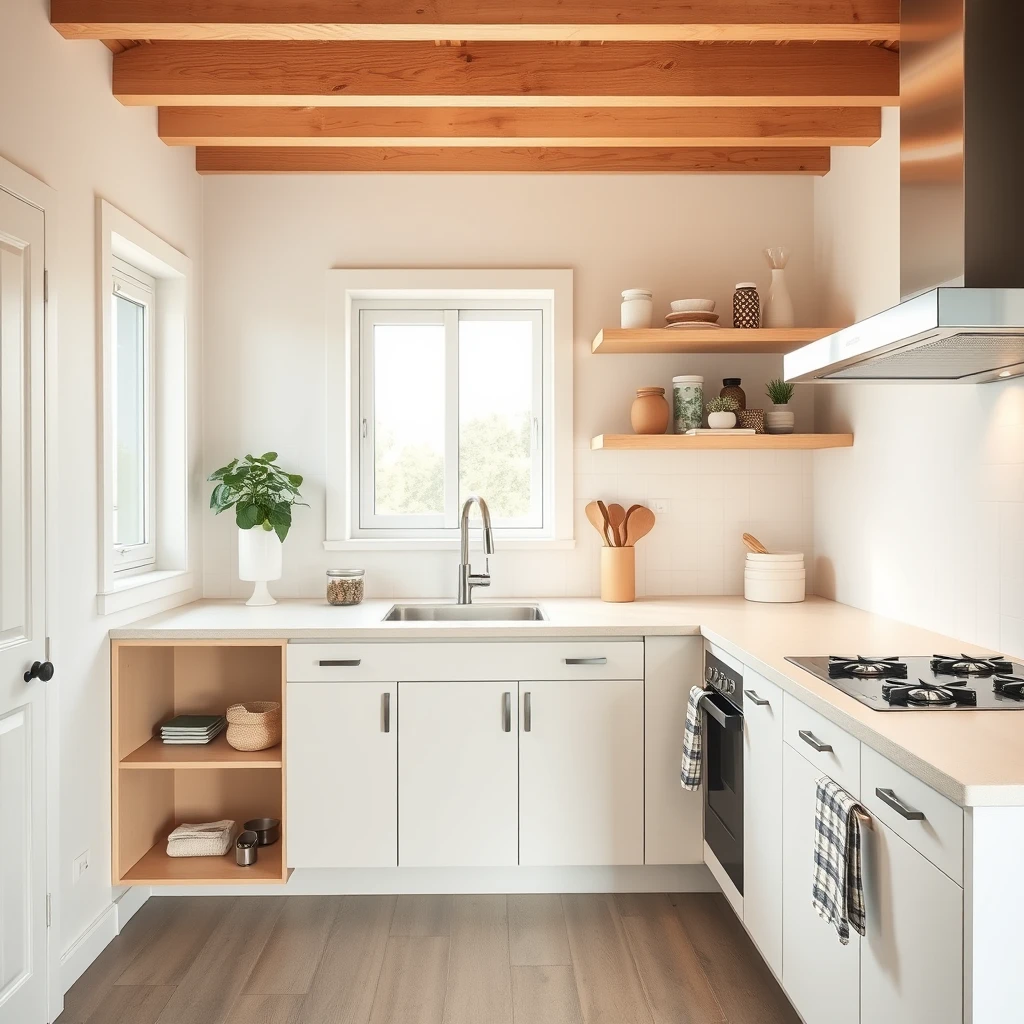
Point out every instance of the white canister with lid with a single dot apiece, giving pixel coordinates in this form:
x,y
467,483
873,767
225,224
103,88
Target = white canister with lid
x,y
637,309
687,403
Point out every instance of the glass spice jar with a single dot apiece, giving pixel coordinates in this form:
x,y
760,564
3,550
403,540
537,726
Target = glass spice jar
x,y
731,389
345,586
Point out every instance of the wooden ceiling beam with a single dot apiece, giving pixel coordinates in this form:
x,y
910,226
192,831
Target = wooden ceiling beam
x,y
520,126
324,160
506,74
698,20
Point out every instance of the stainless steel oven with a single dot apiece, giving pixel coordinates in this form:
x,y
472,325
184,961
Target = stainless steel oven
x,y
722,713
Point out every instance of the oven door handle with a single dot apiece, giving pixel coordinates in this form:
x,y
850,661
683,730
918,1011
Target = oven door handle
x,y
723,718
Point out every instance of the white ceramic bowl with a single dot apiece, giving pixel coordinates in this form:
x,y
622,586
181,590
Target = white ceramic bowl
x,y
774,591
693,306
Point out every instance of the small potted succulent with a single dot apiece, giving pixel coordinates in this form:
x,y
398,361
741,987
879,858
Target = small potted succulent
x,y
262,495
722,413
779,419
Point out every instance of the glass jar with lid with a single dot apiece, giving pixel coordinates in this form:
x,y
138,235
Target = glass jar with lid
x,y
345,586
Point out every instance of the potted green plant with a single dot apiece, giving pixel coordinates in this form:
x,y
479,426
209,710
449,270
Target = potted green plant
x,y
722,413
779,419
262,495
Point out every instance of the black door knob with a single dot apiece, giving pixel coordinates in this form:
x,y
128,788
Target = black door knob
x,y
39,670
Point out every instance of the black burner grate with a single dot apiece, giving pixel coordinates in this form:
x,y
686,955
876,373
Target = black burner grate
x,y
966,665
865,668
928,695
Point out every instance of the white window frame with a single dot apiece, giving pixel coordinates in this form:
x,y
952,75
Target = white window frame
x,y
128,252
139,288
356,294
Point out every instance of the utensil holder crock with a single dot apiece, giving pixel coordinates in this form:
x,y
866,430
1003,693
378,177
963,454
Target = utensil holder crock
x,y
618,574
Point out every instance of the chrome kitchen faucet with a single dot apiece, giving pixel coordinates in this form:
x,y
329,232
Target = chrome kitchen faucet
x,y
467,578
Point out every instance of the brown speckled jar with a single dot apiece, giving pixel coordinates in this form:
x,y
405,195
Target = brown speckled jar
x,y
731,389
344,586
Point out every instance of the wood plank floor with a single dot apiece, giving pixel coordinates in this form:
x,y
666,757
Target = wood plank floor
x,y
536,959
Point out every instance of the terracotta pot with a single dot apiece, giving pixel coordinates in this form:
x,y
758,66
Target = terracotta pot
x,y
649,413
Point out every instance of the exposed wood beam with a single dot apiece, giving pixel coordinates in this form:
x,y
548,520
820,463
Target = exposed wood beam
x,y
321,159
700,20
506,74
521,126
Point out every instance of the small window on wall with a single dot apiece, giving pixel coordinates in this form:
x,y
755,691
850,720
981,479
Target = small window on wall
x,y
132,456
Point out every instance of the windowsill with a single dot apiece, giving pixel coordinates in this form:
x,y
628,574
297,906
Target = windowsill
x,y
446,544
142,588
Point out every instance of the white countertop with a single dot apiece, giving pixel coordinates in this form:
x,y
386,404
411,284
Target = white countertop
x,y
975,758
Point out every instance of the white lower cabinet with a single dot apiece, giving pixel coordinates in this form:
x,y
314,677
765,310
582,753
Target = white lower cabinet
x,y
342,775
458,774
912,955
820,975
762,816
581,772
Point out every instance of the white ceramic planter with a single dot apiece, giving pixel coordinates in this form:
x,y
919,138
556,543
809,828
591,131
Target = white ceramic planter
x,y
721,420
637,309
259,562
779,419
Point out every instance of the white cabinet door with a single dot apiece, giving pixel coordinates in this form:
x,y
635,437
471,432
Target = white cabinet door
x,y
762,816
912,955
581,772
342,775
820,976
457,774
673,816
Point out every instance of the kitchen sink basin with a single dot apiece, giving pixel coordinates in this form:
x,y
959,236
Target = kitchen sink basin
x,y
465,613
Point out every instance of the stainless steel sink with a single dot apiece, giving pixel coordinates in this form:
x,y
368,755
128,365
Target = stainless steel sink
x,y
465,613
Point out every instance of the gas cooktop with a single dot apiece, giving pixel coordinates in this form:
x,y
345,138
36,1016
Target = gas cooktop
x,y
957,682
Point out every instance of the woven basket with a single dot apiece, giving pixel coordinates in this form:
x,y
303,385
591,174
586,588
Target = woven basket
x,y
255,725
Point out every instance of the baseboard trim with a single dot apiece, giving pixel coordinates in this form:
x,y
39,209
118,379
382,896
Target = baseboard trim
x,y
375,881
78,957
130,902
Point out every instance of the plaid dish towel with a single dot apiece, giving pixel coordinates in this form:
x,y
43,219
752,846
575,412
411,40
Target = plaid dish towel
x,y
690,772
838,890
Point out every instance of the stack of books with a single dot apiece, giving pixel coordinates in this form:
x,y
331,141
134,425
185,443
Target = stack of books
x,y
193,729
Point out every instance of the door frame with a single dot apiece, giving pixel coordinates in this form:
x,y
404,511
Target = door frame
x,y
36,193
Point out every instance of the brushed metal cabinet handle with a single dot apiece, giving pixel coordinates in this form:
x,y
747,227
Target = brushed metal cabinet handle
x,y
527,711
887,796
386,702
340,662
586,661
812,741
506,711
755,699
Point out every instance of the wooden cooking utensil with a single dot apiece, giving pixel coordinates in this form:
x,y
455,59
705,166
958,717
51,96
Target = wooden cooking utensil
x,y
604,515
641,522
625,523
597,520
754,544
616,517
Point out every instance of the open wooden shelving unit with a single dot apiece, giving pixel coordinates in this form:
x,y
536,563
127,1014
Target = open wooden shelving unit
x,y
695,341
156,786
719,442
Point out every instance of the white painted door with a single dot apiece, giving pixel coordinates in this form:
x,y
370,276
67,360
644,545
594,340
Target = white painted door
x,y
820,976
458,774
22,629
762,816
342,775
912,955
581,772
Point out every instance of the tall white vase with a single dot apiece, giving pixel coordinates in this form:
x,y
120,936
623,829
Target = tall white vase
x,y
778,306
259,562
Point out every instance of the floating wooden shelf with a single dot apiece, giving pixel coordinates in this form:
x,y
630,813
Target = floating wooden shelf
x,y
215,754
710,442
653,340
156,868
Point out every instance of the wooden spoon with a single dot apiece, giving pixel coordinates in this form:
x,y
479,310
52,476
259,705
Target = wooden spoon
x,y
640,523
625,523
616,517
604,515
597,520
754,544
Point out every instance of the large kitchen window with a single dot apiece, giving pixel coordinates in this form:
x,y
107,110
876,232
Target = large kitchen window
x,y
455,391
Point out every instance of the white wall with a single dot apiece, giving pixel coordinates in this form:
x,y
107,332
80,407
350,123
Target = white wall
x,y
923,519
59,122
269,240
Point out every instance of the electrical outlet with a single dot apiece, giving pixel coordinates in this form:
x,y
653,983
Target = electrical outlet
x,y
80,866
659,506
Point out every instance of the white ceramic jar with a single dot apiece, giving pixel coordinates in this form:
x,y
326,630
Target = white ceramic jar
x,y
637,309
687,403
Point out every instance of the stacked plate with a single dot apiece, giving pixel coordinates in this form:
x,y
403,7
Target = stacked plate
x,y
692,313
192,729
775,578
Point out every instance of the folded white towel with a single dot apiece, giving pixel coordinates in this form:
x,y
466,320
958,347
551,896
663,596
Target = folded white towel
x,y
209,839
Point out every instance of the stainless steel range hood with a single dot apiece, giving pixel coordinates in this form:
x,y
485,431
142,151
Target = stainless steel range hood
x,y
961,319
